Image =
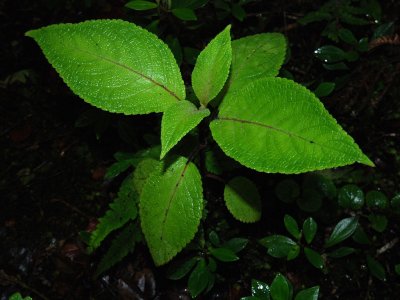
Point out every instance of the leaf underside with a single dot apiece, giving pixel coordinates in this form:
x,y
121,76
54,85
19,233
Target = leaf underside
x,y
254,57
276,125
113,65
171,206
177,121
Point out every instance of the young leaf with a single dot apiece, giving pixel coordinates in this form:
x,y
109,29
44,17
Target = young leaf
x,y
242,199
141,5
120,247
122,209
308,294
309,229
254,57
376,268
276,125
212,67
199,278
291,226
314,258
224,254
177,121
280,289
344,229
278,245
171,206
113,65
260,290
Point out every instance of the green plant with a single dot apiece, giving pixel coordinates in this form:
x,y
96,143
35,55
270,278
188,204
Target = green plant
x,y
280,289
266,123
18,296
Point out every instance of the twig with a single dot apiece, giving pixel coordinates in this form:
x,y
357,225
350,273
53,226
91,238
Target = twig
x,y
387,246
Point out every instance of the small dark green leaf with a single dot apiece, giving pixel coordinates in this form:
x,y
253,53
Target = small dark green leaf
x,y
344,229
236,244
376,268
330,54
178,271
117,168
260,290
212,265
214,238
395,203
224,254
141,5
315,16
324,89
175,46
351,196
199,279
360,236
342,252
378,222
293,253
382,30
376,199
193,4
397,269
238,12
362,45
309,229
287,190
278,245
280,289
310,200
185,14
336,66
347,36
308,294
314,258
292,227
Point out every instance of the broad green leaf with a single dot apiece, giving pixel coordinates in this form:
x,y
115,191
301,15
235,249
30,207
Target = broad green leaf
x,y
243,200
343,229
351,196
276,125
212,67
121,210
120,247
176,272
291,226
260,290
199,278
278,245
308,294
113,65
309,229
143,171
171,206
314,258
141,5
224,254
254,57
18,296
177,121
185,14
280,289
376,199
376,268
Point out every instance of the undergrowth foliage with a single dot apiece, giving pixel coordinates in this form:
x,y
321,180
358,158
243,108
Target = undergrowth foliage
x,y
264,122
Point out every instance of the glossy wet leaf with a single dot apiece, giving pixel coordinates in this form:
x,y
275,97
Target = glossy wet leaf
x,y
314,258
330,54
141,5
113,65
343,229
378,222
171,206
376,199
178,271
276,125
291,226
212,67
351,196
324,89
278,245
224,254
376,268
177,121
254,57
308,294
287,190
280,289
185,14
243,200
199,279
236,244
260,290
309,229
341,252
